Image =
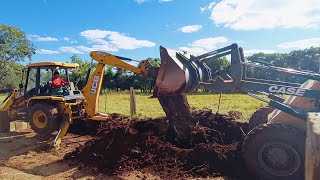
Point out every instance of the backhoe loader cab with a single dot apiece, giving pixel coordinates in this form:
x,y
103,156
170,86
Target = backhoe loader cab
x,y
38,80
37,102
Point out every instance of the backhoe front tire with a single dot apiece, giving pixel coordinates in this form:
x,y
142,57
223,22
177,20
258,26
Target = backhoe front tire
x,y
43,119
275,151
4,122
260,117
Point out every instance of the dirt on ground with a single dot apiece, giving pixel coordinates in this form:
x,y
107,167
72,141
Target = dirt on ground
x,y
143,150
214,149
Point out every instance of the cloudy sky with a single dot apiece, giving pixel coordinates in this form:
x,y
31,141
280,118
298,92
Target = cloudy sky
x,y
136,28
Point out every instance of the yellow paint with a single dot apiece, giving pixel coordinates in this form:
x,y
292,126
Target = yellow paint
x,y
65,126
8,103
36,119
59,64
92,89
109,59
101,118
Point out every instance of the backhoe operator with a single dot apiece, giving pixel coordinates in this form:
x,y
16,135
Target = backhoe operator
x,y
57,83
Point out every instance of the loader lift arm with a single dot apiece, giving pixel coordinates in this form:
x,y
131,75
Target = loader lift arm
x,y
190,75
91,90
279,128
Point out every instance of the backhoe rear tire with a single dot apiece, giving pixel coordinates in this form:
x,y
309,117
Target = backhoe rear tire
x,y
260,117
275,151
4,122
44,119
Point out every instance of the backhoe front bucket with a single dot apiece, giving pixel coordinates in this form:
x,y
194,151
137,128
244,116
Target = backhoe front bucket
x,y
179,74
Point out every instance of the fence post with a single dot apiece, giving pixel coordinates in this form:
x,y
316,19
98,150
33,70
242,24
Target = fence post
x,y
312,161
133,109
105,102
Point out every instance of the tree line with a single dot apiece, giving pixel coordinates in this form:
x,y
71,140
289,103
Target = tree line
x,y
16,48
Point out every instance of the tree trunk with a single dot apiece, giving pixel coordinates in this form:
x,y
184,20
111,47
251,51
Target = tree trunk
x,y
178,112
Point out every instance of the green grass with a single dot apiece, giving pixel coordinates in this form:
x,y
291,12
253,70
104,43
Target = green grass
x,y
150,108
146,107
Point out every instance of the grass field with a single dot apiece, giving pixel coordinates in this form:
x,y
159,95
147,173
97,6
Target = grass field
x,y
150,108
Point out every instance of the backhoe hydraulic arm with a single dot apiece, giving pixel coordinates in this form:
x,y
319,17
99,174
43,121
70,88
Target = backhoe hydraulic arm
x,y
92,89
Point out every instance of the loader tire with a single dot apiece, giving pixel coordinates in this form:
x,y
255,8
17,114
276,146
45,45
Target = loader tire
x,y
4,122
275,151
43,119
260,117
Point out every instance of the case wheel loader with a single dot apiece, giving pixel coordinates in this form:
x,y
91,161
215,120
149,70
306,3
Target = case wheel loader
x,y
48,111
275,146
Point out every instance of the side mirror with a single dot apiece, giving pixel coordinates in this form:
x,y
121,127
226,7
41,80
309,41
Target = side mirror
x,y
20,86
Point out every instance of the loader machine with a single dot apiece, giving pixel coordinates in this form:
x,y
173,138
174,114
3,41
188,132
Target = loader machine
x,y
47,111
275,146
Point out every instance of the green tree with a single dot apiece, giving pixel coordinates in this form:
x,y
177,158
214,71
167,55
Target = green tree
x,y
80,74
10,75
219,65
303,60
276,59
14,44
14,48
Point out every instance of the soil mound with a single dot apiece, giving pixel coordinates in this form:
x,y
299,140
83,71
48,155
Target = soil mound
x,y
214,148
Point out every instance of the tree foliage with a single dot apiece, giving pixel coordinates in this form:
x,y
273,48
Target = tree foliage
x,y
303,60
218,66
14,48
80,74
114,78
14,44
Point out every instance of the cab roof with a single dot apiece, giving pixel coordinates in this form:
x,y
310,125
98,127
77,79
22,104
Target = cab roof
x,y
53,65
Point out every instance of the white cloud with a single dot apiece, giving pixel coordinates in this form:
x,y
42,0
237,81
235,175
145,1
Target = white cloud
x,y
38,38
84,48
66,39
254,51
103,40
70,49
209,7
190,28
46,51
205,45
300,44
113,41
194,50
165,0
140,1
257,14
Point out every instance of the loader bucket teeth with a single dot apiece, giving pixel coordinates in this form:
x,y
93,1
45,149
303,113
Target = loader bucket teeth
x,y
178,73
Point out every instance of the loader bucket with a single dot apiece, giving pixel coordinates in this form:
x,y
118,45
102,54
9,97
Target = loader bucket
x,y
179,74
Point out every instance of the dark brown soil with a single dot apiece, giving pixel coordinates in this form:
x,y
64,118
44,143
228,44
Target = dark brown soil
x,y
213,149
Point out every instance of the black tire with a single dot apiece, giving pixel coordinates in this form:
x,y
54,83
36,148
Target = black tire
x,y
260,117
275,151
4,122
44,119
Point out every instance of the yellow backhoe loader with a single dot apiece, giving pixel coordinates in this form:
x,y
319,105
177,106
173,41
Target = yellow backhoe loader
x,y
47,111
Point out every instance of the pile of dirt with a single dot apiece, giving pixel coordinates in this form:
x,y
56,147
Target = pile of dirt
x,y
214,148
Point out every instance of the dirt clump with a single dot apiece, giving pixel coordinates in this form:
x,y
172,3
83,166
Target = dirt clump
x,y
214,148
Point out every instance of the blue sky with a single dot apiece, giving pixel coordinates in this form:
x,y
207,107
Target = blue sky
x,y
136,28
